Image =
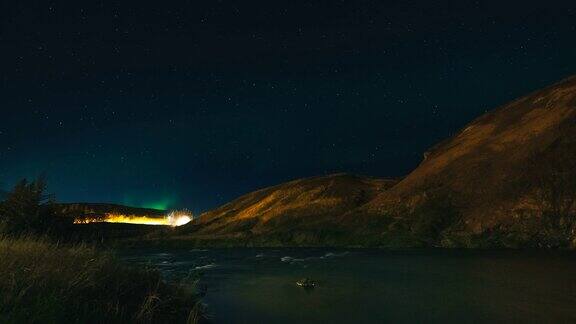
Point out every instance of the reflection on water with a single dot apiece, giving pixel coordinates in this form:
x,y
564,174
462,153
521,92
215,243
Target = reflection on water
x,y
374,286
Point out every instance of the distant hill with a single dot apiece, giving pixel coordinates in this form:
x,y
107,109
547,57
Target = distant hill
x,y
78,210
108,232
508,179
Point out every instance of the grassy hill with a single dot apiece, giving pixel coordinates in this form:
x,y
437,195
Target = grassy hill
x,y
507,179
305,210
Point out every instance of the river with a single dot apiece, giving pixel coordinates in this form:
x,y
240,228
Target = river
x,y
375,286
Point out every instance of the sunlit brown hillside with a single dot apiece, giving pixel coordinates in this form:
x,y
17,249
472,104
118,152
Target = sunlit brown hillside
x,y
498,169
293,209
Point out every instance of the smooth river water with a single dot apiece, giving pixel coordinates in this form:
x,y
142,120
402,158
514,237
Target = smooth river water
x,y
376,286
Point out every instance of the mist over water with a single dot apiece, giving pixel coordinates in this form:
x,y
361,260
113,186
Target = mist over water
x,y
374,286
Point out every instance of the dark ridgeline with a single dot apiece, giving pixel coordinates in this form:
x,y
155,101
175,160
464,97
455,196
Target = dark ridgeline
x,y
96,210
103,232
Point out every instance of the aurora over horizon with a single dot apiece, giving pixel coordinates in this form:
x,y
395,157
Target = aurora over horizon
x,y
162,204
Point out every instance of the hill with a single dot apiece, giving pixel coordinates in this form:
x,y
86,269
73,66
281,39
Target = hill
x,y
504,174
305,211
507,179
97,210
107,232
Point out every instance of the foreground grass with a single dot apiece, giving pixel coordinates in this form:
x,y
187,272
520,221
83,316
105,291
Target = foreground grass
x,y
42,282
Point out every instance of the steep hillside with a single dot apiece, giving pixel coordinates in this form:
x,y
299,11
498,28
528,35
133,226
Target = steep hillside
x,y
497,171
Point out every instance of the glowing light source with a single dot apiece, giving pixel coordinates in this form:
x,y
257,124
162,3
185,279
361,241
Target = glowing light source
x,y
179,218
174,218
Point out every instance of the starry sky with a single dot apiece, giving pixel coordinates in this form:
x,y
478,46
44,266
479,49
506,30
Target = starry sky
x,y
177,104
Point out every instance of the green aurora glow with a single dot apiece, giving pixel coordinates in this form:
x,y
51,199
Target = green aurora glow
x,y
164,203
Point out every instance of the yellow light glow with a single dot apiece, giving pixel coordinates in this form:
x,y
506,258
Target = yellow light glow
x,y
172,219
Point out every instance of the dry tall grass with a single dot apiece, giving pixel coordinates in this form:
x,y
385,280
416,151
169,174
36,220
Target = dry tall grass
x,y
42,282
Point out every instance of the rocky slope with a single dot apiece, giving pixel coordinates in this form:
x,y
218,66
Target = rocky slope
x,y
507,179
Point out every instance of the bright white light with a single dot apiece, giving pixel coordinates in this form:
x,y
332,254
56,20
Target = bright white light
x,y
178,218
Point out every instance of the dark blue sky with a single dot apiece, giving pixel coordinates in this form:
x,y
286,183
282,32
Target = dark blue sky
x,y
192,103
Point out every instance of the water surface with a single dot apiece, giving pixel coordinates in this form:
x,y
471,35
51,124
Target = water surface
x,y
375,286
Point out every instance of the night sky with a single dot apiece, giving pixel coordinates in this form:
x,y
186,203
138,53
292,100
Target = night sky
x,y
192,103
